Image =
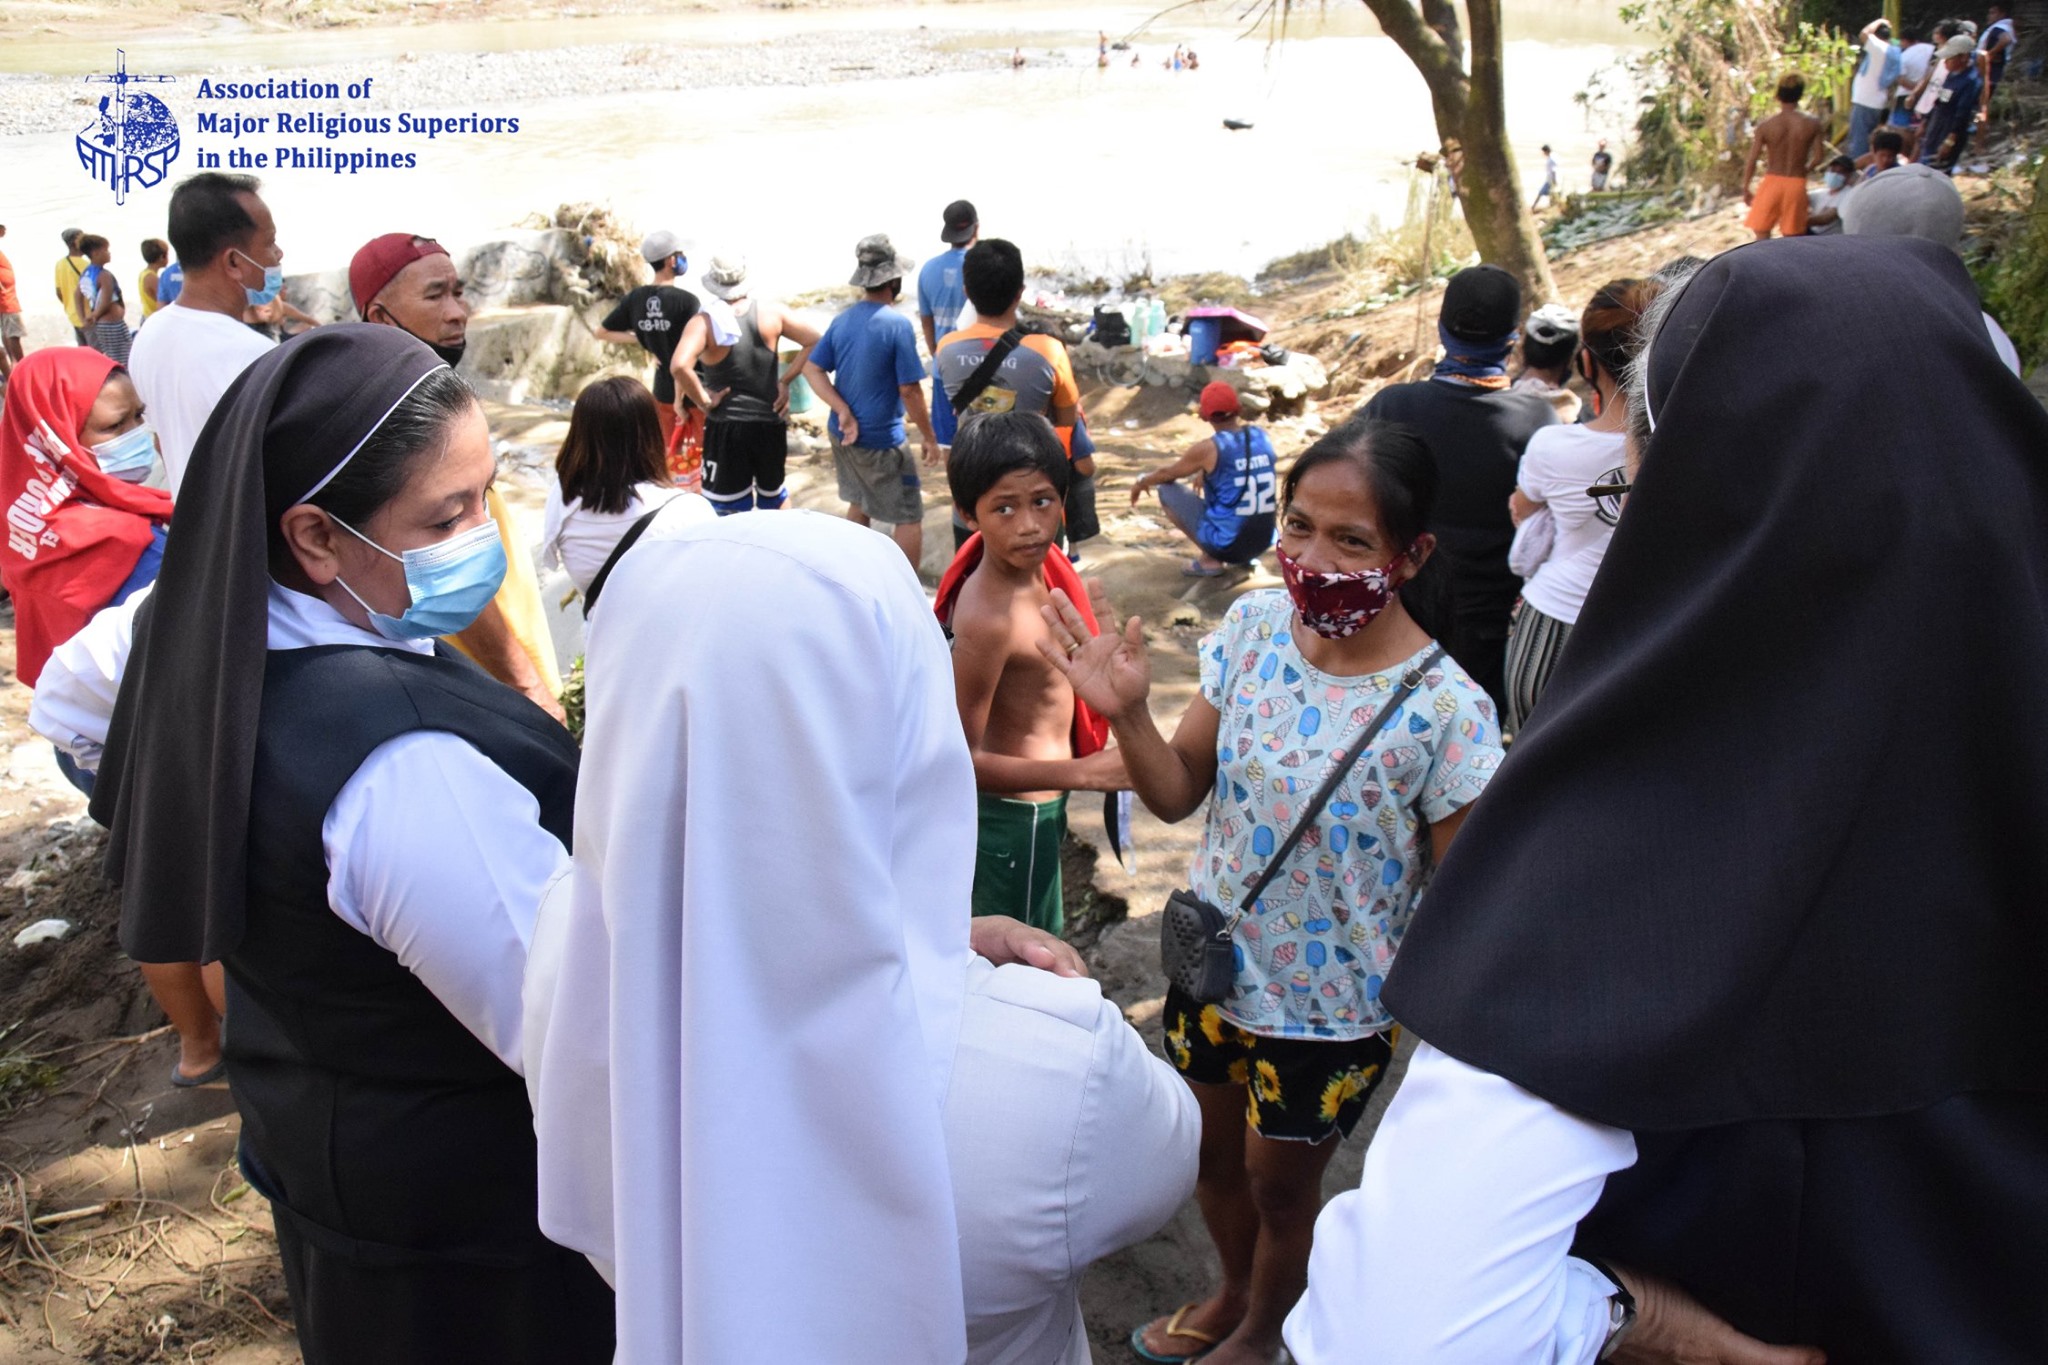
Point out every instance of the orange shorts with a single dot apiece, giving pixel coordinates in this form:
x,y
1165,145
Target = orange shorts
x,y
1780,202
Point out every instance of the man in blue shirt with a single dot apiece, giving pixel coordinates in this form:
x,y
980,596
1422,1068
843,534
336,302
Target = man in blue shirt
x,y
1229,512
1955,110
866,370
941,297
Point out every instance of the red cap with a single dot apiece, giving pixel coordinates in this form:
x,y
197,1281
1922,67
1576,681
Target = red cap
x,y
1218,400
383,257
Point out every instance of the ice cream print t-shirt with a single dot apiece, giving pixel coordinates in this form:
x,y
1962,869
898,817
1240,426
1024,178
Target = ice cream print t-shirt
x,y
1313,952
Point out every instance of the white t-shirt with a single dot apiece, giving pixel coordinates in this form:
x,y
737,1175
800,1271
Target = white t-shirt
x,y
1913,65
578,542
182,363
1869,88
1932,93
1559,465
1816,200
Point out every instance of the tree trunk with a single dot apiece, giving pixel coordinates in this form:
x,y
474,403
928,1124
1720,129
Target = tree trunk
x,y
1471,119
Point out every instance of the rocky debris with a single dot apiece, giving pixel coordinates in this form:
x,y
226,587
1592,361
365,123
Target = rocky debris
x,y
1261,389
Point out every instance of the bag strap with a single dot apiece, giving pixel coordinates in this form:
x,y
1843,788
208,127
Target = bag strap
x,y
985,373
1410,680
611,561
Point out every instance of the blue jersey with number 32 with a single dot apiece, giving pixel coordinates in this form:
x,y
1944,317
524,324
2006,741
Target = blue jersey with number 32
x,y
1240,488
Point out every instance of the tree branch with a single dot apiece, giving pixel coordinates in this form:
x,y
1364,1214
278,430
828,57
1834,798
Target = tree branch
x,y
1441,68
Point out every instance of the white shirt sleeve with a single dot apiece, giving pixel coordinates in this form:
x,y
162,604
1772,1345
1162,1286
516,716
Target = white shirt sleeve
x,y
1454,1248
74,697
437,855
1135,1145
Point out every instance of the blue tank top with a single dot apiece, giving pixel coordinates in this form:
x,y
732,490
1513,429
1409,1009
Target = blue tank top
x,y
1240,488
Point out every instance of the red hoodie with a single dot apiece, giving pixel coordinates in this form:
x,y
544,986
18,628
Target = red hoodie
x,y
74,533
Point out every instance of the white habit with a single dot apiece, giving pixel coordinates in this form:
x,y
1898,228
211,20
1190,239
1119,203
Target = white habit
x,y
779,1101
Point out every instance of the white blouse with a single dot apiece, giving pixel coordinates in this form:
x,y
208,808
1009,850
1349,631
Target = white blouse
x,y
1454,1248
578,541
433,852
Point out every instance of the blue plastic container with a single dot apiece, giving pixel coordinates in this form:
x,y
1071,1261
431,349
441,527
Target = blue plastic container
x,y
1204,336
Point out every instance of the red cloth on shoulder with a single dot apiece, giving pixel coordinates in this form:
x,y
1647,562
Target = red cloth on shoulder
x,y
74,533
1091,732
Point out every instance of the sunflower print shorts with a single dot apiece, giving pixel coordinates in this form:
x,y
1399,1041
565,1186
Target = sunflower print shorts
x,y
1300,1089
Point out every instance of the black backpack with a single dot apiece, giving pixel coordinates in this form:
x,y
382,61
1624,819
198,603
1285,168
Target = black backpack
x,y
1112,328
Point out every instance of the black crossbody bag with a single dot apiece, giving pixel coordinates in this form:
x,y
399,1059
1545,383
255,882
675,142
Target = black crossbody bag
x,y
985,373
1195,936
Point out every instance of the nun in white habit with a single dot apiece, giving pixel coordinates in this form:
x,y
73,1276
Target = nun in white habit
x,y
781,1103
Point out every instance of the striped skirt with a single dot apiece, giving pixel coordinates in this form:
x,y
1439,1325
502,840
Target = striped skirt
x,y
110,339
1534,642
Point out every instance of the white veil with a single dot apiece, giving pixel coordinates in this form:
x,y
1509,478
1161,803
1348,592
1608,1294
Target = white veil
x,y
744,1000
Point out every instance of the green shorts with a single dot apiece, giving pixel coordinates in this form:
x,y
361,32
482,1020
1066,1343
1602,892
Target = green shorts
x,y
1017,859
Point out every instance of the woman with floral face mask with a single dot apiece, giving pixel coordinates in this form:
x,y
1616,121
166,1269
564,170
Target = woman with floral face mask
x,y
302,785
1291,684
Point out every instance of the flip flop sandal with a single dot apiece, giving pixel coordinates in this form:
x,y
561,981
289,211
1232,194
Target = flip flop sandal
x,y
1194,568
218,1071
1174,1329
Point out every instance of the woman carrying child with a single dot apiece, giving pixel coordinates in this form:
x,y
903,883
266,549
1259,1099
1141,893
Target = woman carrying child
x,y
1290,683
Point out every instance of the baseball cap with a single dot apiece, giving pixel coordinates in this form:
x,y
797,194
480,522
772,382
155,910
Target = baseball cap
x,y
961,222
70,235
659,245
1962,45
1553,322
1909,200
1481,303
1218,400
381,258
876,262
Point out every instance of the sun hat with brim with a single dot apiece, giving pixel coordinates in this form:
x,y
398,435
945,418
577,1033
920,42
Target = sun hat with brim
x,y
877,262
726,277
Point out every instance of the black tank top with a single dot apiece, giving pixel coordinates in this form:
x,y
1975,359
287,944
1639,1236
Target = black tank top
x,y
749,373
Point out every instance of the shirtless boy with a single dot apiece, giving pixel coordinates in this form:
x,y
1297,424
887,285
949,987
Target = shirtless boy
x,y
1790,146
1008,474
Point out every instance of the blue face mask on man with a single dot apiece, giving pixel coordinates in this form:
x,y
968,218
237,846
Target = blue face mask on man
x,y
273,282
129,455
1835,180
450,582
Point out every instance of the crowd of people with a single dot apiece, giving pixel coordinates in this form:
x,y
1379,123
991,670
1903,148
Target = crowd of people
x,y
1915,99
743,1029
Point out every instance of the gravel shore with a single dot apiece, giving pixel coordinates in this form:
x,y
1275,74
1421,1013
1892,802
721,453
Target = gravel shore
x,y
501,81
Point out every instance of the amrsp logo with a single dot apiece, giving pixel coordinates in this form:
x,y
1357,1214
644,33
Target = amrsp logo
x,y
133,139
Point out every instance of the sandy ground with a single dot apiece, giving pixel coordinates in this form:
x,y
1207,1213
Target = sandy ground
x,y
125,1233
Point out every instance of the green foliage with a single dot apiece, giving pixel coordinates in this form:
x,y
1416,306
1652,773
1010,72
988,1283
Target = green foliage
x,y
2012,273
1711,70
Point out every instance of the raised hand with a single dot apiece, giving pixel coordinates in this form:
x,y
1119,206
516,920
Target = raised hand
x,y
1111,672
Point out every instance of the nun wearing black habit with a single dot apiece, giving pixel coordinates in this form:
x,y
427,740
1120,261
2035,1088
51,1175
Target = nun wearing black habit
x,y
302,785
1730,996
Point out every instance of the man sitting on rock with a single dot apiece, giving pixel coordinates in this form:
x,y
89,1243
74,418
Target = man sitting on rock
x,y
1229,511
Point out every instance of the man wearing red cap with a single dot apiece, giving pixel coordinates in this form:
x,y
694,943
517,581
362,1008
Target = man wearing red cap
x,y
1229,512
409,282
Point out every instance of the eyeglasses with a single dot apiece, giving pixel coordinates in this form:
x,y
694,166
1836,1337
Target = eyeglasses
x,y
1607,495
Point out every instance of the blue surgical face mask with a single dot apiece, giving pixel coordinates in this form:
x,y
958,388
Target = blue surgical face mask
x,y
273,282
1836,180
682,264
129,455
450,582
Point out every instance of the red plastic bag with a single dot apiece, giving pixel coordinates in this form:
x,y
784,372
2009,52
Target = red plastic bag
x,y
686,452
